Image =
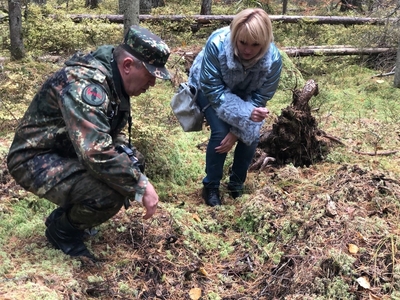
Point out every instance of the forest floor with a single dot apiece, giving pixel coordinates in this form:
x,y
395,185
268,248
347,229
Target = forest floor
x,y
329,231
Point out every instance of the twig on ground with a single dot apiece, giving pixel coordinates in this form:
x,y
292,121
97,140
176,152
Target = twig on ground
x,y
383,74
376,153
335,139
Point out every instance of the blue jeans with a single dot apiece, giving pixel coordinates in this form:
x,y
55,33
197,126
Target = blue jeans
x,y
215,161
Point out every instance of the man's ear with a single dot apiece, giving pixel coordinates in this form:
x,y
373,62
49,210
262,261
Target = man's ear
x,y
127,64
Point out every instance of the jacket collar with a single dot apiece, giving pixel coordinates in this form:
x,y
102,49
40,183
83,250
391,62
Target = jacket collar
x,y
122,95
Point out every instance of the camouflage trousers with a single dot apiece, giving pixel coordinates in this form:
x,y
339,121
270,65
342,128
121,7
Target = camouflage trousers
x,y
87,200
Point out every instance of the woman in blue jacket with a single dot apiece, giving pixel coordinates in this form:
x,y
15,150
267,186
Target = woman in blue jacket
x,y
236,73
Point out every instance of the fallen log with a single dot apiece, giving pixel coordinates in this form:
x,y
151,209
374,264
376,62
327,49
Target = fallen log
x,y
339,50
290,51
334,51
207,19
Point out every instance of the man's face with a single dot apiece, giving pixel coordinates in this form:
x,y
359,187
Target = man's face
x,y
136,78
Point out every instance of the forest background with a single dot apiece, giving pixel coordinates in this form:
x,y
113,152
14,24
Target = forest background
x,y
329,230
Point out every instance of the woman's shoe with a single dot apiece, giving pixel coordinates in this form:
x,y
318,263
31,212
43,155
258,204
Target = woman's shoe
x,y
235,193
211,196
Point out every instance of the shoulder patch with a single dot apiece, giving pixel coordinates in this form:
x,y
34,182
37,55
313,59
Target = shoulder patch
x,y
94,95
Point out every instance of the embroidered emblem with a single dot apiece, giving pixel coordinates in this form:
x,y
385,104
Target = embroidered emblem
x,y
94,95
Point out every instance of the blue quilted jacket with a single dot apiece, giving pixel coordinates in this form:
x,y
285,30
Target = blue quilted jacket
x,y
232,90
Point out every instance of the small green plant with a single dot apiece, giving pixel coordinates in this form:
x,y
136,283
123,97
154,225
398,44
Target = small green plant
x,y
335,288
213,296
128,289
95,278
343,261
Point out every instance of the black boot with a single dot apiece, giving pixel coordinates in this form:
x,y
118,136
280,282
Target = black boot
x,y
235,193
55,214
235,189
211,196
64,236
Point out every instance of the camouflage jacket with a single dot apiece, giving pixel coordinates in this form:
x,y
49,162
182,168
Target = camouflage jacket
x,y
72,124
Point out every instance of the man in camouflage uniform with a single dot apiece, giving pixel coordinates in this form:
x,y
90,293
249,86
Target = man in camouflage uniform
x,y
64,148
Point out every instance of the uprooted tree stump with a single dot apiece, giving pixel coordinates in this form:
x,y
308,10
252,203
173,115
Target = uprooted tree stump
x,y
295,137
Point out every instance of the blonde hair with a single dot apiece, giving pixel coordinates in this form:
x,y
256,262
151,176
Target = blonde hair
x,y
252,25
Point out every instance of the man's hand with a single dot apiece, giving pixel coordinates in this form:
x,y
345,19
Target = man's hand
x,y
150,200
258,114
227,143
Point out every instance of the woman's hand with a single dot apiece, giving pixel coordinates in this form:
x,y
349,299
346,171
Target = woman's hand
x,y
258,114
227,143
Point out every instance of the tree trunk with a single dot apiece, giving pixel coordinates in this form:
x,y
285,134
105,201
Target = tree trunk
x,y
121,8
284,7
131,13
346,5
92,4
397,70
205,7
15,22
145,7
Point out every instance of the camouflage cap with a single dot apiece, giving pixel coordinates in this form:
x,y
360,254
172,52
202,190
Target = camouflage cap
x,y
149,48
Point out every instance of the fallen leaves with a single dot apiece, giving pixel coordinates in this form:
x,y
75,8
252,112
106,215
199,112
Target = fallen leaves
x,y
353,249
196,218
363,281
195,293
